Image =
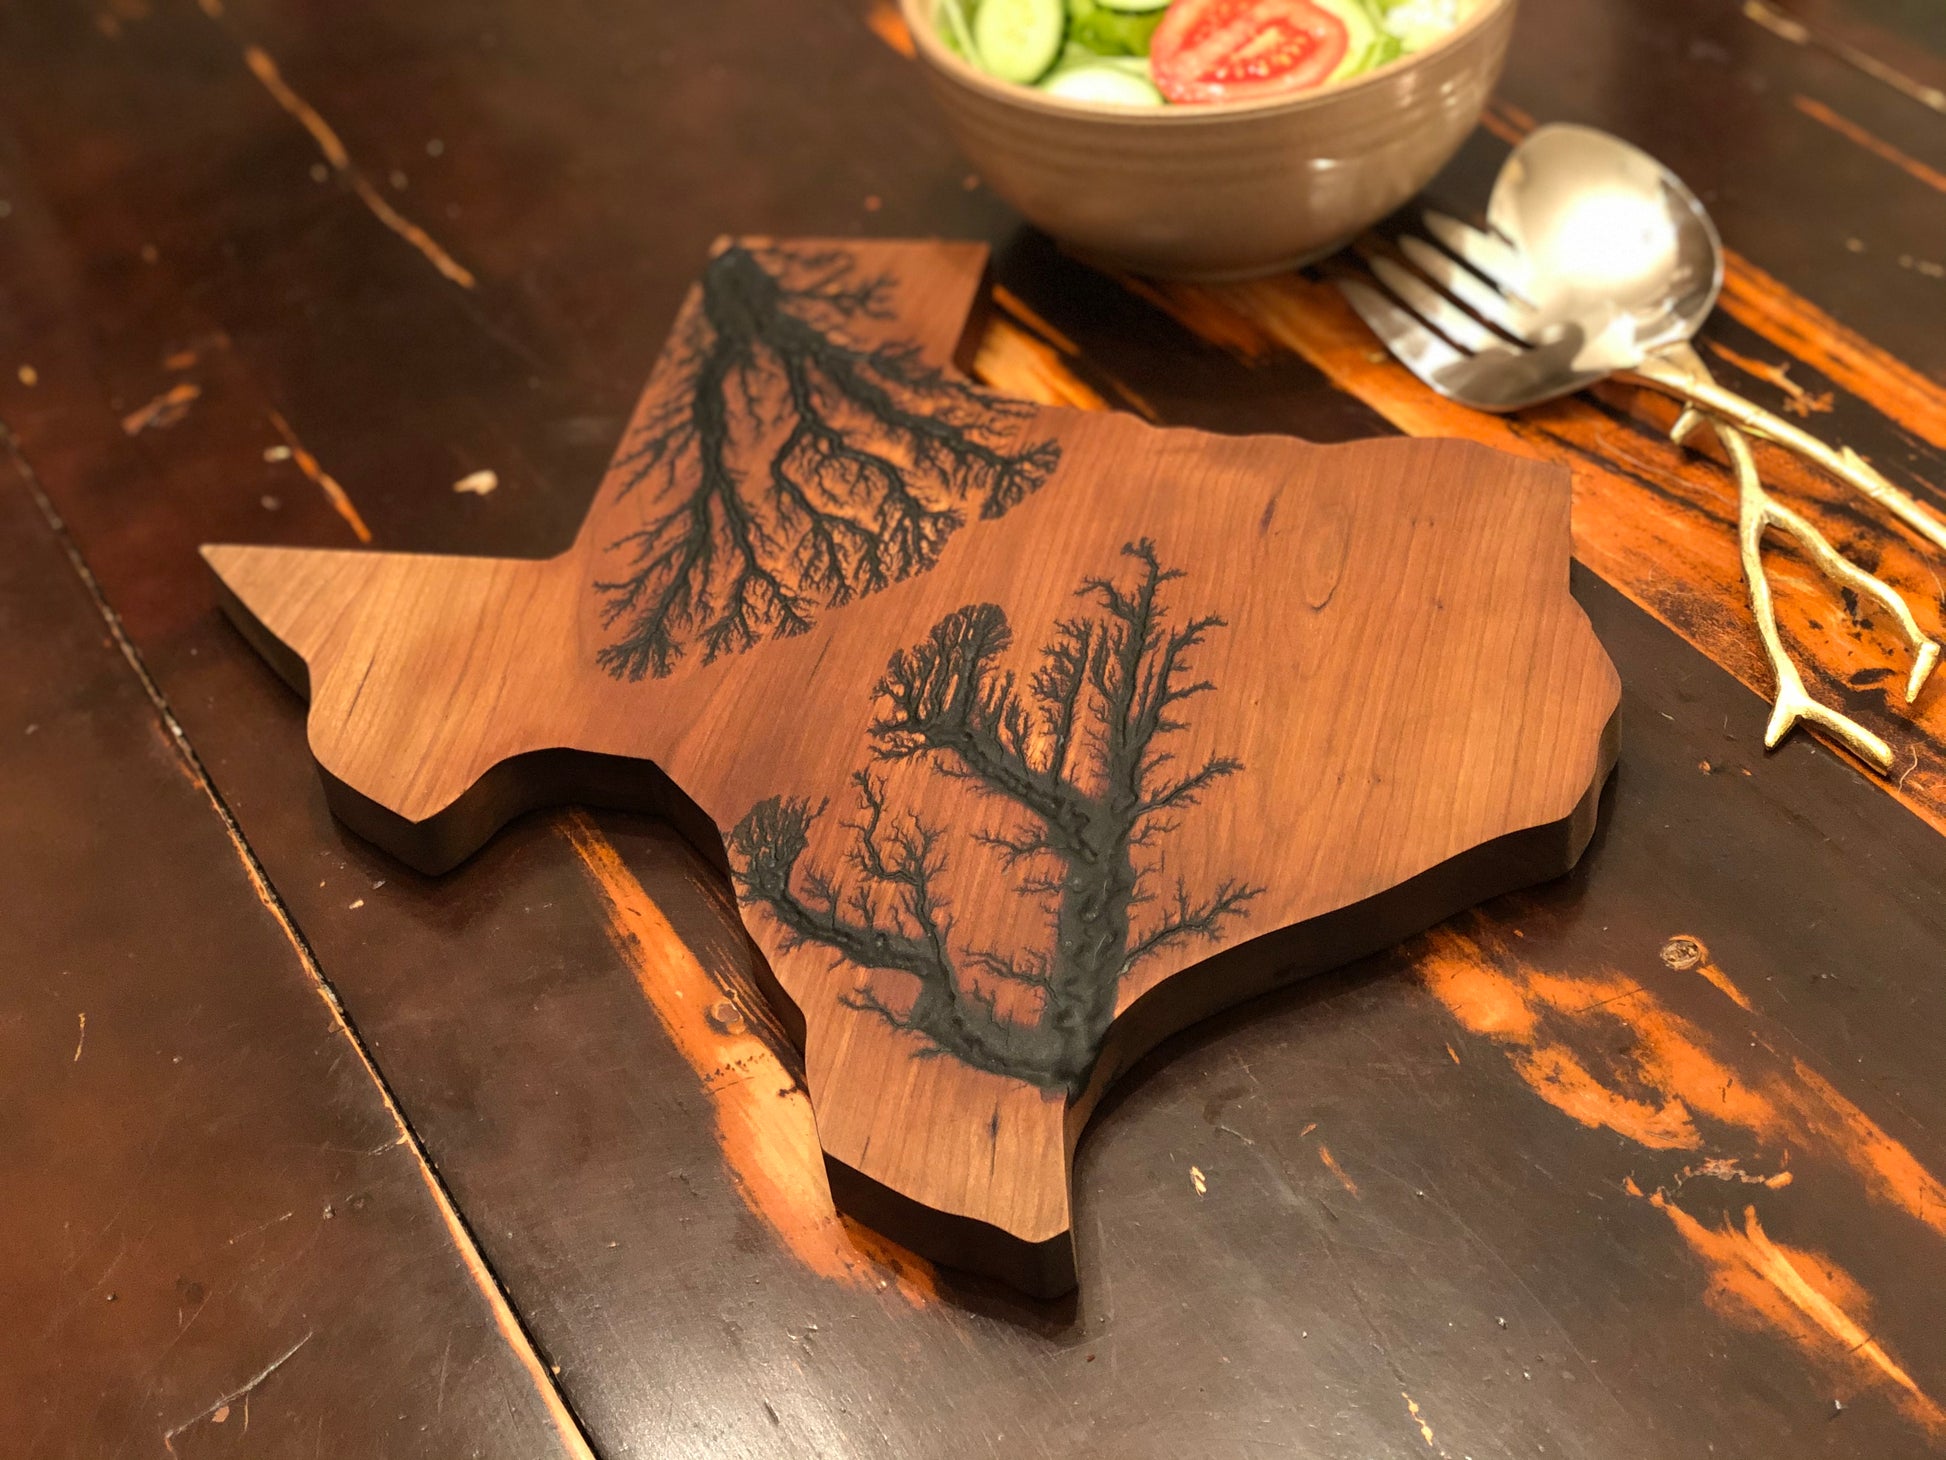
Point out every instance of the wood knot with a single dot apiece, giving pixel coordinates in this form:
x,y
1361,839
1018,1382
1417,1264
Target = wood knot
x,y
1684,953
1321,558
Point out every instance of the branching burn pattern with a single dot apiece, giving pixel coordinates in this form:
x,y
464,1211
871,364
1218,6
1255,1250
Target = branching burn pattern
x,y
795,468
1075,756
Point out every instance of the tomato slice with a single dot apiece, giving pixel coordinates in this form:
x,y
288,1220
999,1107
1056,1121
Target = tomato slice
x,y
1233,50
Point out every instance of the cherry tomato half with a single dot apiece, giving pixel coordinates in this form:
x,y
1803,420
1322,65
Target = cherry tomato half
x,y
1233,50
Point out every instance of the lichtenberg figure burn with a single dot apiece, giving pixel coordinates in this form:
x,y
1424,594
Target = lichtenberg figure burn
x,y
800,468
1076,753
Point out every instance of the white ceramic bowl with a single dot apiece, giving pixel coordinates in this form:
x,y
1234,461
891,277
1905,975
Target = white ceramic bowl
x,y
1226,189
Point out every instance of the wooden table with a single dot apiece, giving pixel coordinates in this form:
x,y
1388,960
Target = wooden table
x,y
307,1155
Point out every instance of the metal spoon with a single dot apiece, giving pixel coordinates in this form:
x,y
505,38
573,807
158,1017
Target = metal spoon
x,y
1602,261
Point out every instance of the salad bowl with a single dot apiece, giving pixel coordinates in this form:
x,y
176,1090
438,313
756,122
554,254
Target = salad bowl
x,y
1226,189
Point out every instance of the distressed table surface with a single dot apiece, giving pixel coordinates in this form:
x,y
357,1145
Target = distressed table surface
x,y
309,1154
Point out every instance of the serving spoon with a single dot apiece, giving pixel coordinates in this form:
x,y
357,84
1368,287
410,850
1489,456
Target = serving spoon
x,y
1597,261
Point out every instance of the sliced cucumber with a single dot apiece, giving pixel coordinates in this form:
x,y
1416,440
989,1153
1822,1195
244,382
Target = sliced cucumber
x,y
1134,7
1075,57
1018,40
1385,50
1111,32
1361,36
954,30
1105,83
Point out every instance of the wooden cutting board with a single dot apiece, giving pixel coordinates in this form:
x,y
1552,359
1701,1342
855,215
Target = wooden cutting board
x,y
1027,736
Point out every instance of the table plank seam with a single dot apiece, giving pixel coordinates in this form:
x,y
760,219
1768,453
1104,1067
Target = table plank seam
x,y
507,1318
1790,28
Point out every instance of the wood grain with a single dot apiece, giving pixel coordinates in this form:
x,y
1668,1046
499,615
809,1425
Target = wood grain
x,y
1239,709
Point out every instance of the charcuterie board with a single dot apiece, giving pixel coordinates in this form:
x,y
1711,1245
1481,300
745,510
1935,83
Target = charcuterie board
x,y
1025,736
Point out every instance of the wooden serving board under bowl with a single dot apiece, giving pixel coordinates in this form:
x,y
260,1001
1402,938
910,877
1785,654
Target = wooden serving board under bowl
x,y
1027,736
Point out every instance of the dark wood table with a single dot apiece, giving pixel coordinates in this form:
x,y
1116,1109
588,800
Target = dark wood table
x,y
307,1155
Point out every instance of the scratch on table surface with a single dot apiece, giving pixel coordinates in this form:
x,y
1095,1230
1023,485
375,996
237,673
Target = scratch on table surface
x,y
1776,22
264,1226
336,495
219,1410
1797,399
1799,328
101,1282
1503,1008
1787,28
1802,1295
479,483
1612,1055
1912,167
265,70
1425,1430
81,1038
1331,1164
1728,1168
165,410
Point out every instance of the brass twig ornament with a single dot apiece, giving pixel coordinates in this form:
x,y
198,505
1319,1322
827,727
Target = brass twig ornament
x,y
1757,512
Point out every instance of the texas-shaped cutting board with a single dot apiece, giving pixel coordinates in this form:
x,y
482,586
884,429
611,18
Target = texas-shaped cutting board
x,y
1025,736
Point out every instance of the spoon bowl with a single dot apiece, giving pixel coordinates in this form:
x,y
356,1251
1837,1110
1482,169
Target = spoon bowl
x,y
1610,240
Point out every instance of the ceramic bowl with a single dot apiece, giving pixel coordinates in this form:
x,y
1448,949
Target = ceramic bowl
x,y
1227,189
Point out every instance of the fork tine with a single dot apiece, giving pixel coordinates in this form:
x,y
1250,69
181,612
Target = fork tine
x,y
1421,351
1433,307
1469,288
1489,255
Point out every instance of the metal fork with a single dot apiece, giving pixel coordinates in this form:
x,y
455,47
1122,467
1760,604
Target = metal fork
x,y
1478,339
